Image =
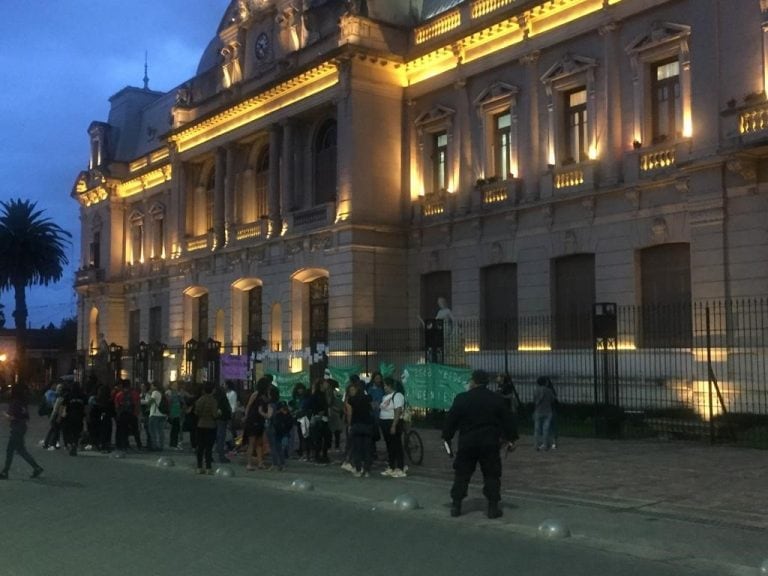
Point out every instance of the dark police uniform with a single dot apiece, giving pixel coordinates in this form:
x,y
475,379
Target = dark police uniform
x,y
483,422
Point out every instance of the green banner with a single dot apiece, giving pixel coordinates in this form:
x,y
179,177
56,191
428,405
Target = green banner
x,y
434,385
286,381
341,375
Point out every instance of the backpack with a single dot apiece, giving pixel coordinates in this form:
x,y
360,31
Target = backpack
x,y
126,403
164,407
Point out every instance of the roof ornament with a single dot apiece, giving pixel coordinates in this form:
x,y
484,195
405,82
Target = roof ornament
x,y
146,77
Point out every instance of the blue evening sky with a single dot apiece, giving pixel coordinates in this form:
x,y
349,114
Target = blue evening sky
x,y
60,61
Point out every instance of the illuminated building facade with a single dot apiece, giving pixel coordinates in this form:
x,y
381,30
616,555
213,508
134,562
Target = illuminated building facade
x,y
342,164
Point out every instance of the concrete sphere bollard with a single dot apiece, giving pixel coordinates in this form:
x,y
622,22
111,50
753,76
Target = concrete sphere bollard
x,y
764,568
554,529
225,472
165,462
302,485
406,502
118,455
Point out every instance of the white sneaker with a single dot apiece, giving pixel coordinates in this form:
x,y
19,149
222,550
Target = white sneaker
x,y
51,448
397,473
357,474
387,472
348,467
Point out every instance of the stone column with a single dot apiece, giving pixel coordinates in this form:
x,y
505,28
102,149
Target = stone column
x,y
610,150
287,167
219,239
274,192
178,212
230,218
530,167
463,188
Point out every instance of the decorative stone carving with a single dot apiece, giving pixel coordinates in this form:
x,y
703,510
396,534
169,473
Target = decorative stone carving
x,y
321,242
632,196
294,247
589,207
659,231
511,220
548,213
747,169
497,252
570,242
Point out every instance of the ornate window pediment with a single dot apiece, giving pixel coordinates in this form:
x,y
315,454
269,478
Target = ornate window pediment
x,y
136,218
568,66
498,92
437,117
660,36
157,211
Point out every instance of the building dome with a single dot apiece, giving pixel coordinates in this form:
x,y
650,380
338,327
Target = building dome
x,y
211,56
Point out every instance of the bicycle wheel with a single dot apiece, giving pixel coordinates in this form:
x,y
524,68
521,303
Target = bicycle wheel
x,y
414,447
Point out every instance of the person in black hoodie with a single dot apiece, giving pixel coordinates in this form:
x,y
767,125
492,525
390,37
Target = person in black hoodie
x,y
18,414
74,411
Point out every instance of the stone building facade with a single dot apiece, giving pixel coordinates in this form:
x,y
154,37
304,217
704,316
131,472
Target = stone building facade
x,y
342,164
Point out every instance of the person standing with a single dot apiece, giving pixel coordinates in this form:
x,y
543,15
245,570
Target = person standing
x,y
106,414
543,401
175,408
207,410
391,422
483,423
18,414
126,411
73,414
222,423
156,418
361,423
51,441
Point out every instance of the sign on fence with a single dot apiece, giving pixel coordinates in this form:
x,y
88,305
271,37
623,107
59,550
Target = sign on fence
x,y
234,367
434,385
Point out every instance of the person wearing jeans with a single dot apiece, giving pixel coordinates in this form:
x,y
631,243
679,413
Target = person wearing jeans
x,y
391,412
156,418
222,424
18,414
543,399
207,410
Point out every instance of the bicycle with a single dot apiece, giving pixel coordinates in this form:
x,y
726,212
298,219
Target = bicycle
x,y
413,445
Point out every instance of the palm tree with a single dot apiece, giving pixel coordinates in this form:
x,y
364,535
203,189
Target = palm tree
x,y
32,252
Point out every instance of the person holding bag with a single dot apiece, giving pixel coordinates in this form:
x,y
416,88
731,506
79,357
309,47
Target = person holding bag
x,y
390,419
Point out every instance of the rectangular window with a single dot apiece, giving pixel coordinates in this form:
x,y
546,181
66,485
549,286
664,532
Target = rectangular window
x,y
94,256
576,143
573,298
433,286
155,324
134,330
137,242
665,275
666,103
254,314
498,310
202,318
440,162
502,143
158,239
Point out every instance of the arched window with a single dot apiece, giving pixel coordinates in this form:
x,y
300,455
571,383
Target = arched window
x,y
325,151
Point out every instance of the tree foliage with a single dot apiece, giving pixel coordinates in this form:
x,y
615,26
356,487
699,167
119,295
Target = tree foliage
x,y
32,252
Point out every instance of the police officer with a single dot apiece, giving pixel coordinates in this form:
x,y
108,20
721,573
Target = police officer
x,y
484,423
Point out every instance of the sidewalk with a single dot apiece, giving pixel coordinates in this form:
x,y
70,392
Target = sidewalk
x,y
713,484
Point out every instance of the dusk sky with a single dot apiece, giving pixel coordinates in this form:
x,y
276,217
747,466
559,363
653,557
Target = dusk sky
x,y
61,61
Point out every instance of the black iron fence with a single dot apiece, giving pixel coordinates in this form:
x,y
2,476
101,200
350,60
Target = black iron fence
x,y
690,370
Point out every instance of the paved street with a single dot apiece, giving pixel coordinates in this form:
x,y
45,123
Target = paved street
x,y
98,515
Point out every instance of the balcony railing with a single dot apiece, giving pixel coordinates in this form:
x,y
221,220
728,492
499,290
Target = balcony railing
x,y
198,243
658,159
89,276
253,230
754,120
572,177
483,7
315,217
438,27
496,193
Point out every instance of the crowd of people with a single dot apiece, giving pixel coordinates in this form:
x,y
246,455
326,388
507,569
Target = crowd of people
x,y
226,421
258,424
